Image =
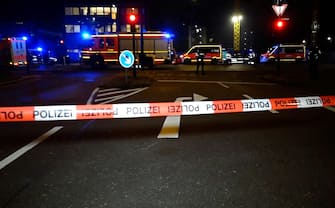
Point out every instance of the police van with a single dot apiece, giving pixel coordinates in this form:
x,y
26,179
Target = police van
x,y
285,53
212,54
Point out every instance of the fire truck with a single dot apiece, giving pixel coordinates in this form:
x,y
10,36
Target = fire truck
x,y
149,48
13,52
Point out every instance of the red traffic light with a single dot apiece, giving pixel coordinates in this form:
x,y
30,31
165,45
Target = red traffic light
x,y
280,24
132,18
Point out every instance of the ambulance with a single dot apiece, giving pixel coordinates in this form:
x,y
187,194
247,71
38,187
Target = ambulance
x,y
285,53
13,52
212,54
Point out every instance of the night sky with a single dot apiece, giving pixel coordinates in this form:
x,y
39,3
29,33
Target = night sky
x,y
174,15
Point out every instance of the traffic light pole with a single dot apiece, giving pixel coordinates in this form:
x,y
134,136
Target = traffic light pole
x,y
277,35
314,52
279,7
133,31
278,58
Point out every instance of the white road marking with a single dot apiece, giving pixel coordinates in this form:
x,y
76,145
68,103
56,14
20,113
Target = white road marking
x,y
249,97
119,97
330,108
223,85
109,89
109,99
105,96
90,99
23,150
251,83
117,92
171,125
189,81
220,82
170,128
200,82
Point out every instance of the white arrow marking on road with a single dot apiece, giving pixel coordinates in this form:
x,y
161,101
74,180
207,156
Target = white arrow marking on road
x,y
197,97
170,128
330,108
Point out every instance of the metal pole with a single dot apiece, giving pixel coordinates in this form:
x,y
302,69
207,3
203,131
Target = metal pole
x,y
133,31
278,58
142,30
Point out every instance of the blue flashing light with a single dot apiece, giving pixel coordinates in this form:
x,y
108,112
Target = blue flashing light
x,y
86,35
168,35
24,38
263,59
40,49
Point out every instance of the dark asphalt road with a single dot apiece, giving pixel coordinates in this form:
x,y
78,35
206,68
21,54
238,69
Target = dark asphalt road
x,y
257,159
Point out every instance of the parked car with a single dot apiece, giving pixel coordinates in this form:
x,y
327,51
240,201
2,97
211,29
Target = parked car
x,y
38,56
226,56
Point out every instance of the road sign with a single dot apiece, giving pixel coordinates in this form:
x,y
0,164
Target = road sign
x,y
279,9
126,59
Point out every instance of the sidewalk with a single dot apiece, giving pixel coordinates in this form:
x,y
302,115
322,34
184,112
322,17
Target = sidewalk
x,y
299,75
9,76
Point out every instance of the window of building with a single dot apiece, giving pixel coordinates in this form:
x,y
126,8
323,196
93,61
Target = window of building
x,y
128,28
68,11
71,11
107,10
93,11
76,28
114,27
84,11
72,28
75,11
101,29
100,11
108,28
114,12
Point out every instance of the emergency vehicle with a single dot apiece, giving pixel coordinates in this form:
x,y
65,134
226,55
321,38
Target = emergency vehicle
x,y
287,53
13,52
212,54
157,48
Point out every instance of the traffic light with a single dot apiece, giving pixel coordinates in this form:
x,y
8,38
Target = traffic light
x,y
132,19
280,24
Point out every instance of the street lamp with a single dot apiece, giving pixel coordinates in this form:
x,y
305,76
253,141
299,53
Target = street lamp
x,y
236,19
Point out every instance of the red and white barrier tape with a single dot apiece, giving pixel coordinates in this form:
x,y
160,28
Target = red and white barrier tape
x,y
136,110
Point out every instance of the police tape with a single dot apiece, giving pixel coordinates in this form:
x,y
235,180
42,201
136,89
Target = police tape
x,y
137,110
